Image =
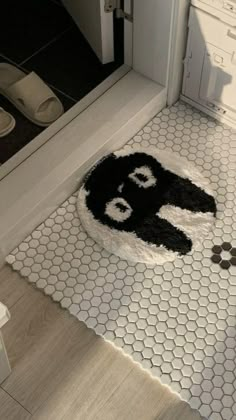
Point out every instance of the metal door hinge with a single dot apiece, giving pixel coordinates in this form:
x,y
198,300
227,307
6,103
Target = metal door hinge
x,y
115,5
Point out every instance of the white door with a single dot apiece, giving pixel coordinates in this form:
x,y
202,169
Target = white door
x,y
95,24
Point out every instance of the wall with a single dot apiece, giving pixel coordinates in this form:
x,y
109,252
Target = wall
x,y
152,37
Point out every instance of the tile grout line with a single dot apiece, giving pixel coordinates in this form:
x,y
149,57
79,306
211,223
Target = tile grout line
x,y
15,399
49,84
9,59
45,46
57,3
63,93
16,302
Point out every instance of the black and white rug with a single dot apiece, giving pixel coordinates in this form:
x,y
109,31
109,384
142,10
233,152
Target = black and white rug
x,y
146,205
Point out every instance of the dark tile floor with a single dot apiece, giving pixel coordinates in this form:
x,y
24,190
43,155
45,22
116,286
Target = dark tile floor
x,y
24,130
27,26
57,52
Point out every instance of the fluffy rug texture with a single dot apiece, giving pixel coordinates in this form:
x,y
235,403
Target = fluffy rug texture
x,y
146,205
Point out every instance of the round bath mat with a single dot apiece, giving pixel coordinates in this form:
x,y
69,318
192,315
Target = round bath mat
x,y
146,205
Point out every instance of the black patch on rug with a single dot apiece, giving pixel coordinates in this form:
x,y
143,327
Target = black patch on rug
x,y
140,181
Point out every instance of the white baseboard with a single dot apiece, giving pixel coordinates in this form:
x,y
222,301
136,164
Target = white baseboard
x,y
43,181
221,118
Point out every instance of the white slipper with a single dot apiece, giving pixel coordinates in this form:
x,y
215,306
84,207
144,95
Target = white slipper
x,y
7,123
30,95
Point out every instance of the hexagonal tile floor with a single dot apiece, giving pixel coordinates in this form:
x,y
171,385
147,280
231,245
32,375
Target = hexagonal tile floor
x,y
178,320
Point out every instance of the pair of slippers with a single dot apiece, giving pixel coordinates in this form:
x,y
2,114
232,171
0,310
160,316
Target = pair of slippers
x,y
30,95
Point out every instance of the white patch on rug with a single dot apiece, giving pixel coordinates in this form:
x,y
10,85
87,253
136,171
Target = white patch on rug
x,y
195,225
147,173
118,209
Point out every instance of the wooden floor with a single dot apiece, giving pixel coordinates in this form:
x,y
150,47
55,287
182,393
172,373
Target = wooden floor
x,y
62,371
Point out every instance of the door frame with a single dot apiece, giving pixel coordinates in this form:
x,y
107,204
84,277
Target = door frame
x,y
149,43
38,185
178,50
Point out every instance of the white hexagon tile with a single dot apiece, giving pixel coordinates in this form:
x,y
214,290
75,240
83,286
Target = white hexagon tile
x,y
178,320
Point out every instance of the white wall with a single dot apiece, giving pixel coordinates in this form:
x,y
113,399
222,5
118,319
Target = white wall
x,y
95,24
152,37
178,48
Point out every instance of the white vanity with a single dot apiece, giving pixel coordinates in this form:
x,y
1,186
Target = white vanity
x,y
209,81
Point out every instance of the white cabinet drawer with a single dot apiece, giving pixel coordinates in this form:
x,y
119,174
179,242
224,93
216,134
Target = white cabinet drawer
x,y
224,10
210,64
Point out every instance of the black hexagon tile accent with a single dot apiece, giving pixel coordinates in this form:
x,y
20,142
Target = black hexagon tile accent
x,y
216,258
233,252
216,249
222,255
233,261
225,264
177,320
226,246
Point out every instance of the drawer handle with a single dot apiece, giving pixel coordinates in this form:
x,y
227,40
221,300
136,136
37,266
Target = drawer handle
x,y
231,34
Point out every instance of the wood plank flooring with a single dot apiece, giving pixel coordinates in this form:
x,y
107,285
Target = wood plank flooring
x,y
62,371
